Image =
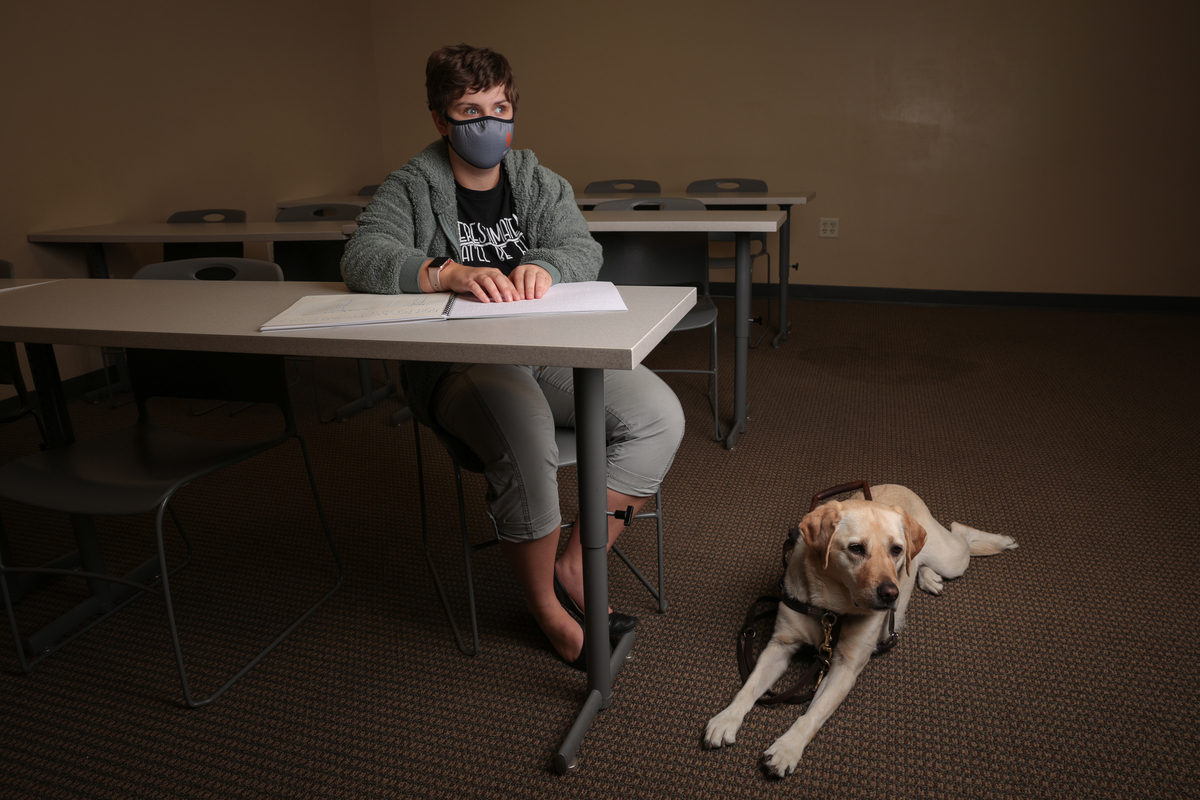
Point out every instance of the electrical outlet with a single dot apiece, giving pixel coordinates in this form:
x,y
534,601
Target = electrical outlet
x,y
829,228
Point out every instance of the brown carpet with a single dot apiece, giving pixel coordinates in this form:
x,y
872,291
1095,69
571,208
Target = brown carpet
x,y
1066,668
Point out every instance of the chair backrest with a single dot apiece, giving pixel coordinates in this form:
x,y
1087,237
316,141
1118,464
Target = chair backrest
x,y
196,375
211,269
731,185
654,203
728,185
10,371
209,215
319,211
8,351
654,259
369,190
177,251
629,185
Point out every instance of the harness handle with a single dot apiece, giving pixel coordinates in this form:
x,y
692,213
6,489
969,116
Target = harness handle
x,y
794,531
845,487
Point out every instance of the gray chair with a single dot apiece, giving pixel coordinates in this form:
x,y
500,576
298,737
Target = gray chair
x,y
313,261
618,186
138,470
21,406
321,261
464,458
666,259
369,190
10,375
629,185
711,185
175,251
212,269
12,410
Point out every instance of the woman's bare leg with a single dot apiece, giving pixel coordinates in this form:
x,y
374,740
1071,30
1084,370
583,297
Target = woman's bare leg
x,y
532,563
570,564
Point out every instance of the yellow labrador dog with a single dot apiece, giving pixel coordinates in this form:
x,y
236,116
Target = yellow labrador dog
x,y
859,559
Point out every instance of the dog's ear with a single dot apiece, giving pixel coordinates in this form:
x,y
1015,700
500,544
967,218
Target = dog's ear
x,y
914,536
817,528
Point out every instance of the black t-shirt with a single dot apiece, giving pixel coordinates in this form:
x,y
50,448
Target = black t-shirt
x,y
489,233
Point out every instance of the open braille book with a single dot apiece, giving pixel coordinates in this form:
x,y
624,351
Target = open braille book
x,y
332,311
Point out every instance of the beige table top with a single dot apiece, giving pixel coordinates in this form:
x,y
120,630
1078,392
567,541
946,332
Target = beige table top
x,y
685,221
130,232
714,198
224,316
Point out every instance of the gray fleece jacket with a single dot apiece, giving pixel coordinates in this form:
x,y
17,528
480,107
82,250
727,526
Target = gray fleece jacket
x,y
414,217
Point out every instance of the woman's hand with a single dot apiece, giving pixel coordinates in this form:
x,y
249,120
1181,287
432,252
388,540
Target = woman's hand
x,y
530,281
490,285
487,284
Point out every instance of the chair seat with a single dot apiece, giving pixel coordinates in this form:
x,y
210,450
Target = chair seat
x,y
703,314
130,471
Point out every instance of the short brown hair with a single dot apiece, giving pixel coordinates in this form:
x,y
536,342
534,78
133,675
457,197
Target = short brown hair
x,y
457,69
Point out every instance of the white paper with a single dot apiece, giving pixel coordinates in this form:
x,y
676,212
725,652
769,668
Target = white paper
x,y
562,298
337,310
26,285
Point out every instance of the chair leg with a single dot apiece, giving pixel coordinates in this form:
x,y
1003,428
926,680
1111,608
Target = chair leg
x,y
147,572
111,389
189,700
5,558
659,594
713,385
437,581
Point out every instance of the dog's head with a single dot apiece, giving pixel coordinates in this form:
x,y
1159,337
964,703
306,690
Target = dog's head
x,y
863,546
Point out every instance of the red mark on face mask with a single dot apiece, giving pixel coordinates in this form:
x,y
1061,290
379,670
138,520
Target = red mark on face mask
x,y
508,139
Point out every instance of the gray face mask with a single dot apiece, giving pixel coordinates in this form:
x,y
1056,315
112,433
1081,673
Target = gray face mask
x,y
481,142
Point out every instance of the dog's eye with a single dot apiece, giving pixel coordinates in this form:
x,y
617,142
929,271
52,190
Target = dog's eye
x,y
857,549
897,550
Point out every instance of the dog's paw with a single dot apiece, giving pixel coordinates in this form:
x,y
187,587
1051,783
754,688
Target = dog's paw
x,y
929,580
722,729
782,758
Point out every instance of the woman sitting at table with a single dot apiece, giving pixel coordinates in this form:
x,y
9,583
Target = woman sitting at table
x,y
469,214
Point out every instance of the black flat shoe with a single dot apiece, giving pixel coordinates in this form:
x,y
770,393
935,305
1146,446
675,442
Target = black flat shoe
x,y
579,663
618,624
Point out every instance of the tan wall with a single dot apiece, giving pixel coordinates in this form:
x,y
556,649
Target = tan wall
x,y
1019,146
129,111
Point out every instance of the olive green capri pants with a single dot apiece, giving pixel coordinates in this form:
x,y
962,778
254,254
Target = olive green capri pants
x,y
507,415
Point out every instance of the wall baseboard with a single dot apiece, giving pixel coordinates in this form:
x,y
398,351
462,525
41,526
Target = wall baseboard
x,y
943,297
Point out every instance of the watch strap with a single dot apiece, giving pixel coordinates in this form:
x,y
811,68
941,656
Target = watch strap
x,y
435,275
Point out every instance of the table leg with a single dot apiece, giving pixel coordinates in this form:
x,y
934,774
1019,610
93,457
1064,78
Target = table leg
x,y
105,599
369,397
96,262
785,266
593,534
741,338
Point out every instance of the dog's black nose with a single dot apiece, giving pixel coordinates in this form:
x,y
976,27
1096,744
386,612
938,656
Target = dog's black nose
x,y
887,592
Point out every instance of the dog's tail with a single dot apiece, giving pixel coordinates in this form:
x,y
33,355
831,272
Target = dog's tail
x,y
982,543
